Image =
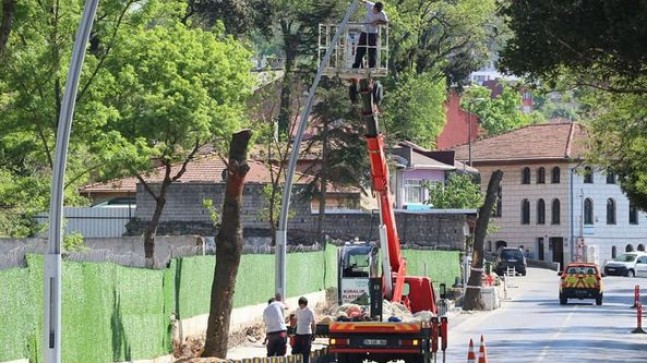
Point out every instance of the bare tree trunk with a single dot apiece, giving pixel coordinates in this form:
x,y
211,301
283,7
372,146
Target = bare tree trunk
x,y
473,299
8,7
150,231
229,247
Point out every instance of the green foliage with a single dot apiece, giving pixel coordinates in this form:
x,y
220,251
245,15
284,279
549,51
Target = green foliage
x,y
459,191
415,109
211,209
440,38
338,142
619,140
500,114
597,42
74,242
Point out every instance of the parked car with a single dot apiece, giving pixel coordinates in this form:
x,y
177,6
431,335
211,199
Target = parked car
x,y
624,264
581,281
510,257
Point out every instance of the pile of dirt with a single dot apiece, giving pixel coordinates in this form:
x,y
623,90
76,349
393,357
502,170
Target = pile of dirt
x,y
192,346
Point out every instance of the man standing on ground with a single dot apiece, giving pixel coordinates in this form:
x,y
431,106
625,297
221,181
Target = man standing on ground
x,y
276,330
305,330
368,39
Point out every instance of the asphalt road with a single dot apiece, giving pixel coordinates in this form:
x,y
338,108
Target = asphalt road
x,y
531,326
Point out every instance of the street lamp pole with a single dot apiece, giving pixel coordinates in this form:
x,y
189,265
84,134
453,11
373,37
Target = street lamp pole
x,y
52,265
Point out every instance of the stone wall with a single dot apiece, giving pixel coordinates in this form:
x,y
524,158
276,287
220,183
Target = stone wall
x,y
184,215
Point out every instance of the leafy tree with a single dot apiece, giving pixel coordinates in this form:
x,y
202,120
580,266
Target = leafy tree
x,y
499,114
599,43
440,38
414,109
339,143
619,141
173,91
459,191
241,18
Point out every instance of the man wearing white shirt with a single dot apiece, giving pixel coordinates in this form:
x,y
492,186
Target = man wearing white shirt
x,y
368,39
276,330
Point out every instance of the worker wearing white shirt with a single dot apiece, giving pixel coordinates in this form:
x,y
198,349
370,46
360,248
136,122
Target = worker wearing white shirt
x,y
368,39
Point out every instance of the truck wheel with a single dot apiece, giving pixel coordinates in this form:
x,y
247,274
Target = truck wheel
x,y
562,299
598,300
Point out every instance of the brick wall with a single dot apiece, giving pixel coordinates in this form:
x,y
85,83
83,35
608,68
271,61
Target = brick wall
x,y
184,214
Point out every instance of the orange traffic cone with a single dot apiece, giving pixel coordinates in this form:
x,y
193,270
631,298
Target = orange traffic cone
x,y
471,357
482,352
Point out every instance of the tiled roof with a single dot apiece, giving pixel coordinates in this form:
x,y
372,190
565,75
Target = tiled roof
x,y
534,142
205,169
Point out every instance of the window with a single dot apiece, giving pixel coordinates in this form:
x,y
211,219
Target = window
x,y
611,211
611,177
525,176
614,252
641,247
541,176
588,175
555,212
499,204
633,214
413,191
555,175
541,212
525,212
588,211
629,248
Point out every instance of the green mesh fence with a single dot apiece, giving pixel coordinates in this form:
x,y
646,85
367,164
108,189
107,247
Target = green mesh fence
x,y
441,266
19,317
113,313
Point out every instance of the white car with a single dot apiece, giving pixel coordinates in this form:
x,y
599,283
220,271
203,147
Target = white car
x,y
627,264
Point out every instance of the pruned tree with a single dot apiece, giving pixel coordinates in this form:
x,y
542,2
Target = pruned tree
x,y
473,299
229,247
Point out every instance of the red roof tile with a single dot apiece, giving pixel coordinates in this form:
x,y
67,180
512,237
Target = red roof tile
x,y
205,169
534,142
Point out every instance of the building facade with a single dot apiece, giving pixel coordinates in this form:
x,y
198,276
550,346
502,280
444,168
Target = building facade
x,y
551,203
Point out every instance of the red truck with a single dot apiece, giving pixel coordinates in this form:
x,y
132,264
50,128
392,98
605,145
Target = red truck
x,y
375,339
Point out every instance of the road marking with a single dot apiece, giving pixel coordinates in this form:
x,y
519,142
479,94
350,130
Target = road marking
x,y
546,348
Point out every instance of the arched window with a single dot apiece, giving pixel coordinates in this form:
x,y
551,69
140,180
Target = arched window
x,y
541,175
541,212
629,248
555,212
641,247
611,211
614,252
611,177
588,175
588,211
525,211
633,214
555,175
525,176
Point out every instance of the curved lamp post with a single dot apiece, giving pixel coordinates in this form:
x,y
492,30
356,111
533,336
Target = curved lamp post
x,y
52,268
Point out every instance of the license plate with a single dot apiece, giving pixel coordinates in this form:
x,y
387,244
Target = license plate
x,y
512,260
611,269
374,341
